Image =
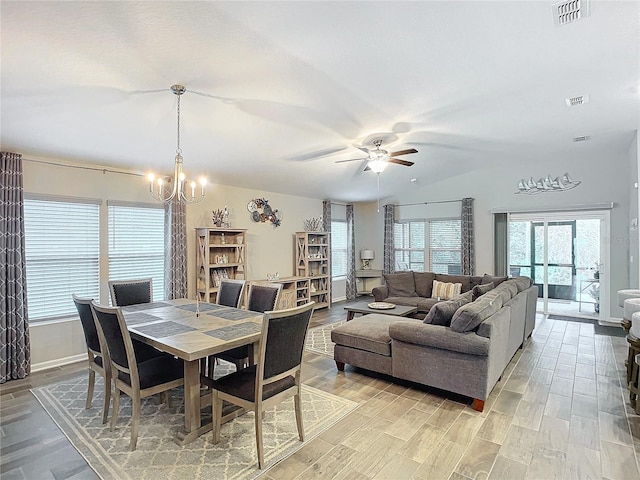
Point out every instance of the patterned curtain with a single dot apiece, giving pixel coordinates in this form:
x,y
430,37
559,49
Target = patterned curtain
x,y
500,226
351,255
389,254
468,238
175,250
326,227
15,349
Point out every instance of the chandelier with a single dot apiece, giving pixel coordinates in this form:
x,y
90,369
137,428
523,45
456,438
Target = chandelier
x,y
179,178
378,158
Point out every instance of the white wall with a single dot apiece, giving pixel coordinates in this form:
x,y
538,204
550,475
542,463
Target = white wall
x,y
634,198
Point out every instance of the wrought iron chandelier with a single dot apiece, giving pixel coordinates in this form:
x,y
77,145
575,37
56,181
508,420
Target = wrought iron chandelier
x,y
179,179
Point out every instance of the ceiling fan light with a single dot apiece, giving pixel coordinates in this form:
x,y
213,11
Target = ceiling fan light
x,y
377,165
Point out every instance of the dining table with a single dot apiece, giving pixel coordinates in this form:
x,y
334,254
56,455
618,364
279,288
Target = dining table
x,y
192,331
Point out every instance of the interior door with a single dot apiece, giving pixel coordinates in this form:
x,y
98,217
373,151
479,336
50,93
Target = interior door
x,y
561,268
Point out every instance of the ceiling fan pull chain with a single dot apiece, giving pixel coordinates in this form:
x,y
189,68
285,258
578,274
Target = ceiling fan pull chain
x,y
378,192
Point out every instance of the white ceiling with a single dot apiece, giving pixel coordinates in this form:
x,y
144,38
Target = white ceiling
x,y
469,84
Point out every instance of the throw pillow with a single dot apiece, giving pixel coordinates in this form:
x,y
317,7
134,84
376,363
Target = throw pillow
x,y
442,312
470,316
445,291
400,284
491,279
480,290
424,283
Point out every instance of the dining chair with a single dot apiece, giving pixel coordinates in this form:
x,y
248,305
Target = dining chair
x,y
262,298
230,292
97,363
131,292
274,378
132,376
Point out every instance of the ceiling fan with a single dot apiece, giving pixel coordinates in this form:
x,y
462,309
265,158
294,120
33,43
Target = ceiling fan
x,y
379,158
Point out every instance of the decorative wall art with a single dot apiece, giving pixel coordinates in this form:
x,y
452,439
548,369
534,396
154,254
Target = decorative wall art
x,y
268,214
547,184
313,224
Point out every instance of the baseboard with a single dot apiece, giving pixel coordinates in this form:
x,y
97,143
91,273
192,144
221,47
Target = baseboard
x,y
611,322
338,299
58,362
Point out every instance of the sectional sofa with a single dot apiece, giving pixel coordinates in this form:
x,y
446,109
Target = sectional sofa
x,y
462,345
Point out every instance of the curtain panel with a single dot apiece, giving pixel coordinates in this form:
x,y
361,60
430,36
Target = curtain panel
x,y
389,253
326,226
175,249
468,237
15,349
351,255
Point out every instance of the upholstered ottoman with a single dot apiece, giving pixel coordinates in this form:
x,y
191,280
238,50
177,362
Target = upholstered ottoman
x,y
364,342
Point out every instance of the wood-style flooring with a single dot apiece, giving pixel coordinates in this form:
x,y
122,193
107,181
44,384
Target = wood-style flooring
x,y
561,411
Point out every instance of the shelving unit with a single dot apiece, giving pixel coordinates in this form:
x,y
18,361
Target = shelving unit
x,y
221,253
313,260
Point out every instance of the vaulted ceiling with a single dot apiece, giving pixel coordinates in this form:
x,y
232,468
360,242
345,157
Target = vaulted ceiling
x,y
278,91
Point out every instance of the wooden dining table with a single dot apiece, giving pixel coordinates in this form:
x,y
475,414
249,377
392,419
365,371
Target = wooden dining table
x,y
192,331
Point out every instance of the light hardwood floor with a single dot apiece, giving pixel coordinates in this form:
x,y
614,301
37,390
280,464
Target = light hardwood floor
x,y
560,411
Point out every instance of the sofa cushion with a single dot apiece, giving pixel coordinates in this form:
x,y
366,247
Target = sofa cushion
x,y
480,290
445,291
507,290
400,284
464,280
408,301
521,282
426,304
424,283
369,333
442,312
474,281
486,278
471,315
438,336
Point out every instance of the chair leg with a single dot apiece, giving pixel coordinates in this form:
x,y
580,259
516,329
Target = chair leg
x,y
135,420
168,394
92,382
116,407
258,421
297,402
107,399
216,406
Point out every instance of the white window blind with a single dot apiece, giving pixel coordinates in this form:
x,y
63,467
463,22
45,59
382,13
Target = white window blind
x,y
62,240
136,244
338,248
409,245
445,246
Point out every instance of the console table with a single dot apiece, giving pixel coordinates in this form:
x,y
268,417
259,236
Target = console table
x,y
363,276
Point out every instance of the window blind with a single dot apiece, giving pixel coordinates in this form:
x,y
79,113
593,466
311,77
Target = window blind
x,y
62,242
338,248
445,246
136,244
409,243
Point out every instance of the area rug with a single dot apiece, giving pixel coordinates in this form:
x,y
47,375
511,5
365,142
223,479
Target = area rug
x,y
597,329
158,457
319,339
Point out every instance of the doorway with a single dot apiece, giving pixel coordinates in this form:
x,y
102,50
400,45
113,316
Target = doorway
x,y
564,254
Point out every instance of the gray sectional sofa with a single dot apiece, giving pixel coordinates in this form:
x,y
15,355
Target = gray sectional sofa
x,y
464,346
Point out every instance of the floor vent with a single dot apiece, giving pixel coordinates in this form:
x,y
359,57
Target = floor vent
x,y
579,100
570,11
583,138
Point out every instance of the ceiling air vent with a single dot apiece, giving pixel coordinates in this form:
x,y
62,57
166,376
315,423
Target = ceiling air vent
x,y
579,100
583,138
570,11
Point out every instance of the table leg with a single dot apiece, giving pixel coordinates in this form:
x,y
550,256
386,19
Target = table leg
x,y
192,424
350,315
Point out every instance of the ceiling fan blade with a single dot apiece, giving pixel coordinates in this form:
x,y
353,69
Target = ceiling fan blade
x,y
400,162
367,168
350,160
364,149
404,152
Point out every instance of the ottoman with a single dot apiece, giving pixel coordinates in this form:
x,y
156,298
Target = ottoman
x,y
364,342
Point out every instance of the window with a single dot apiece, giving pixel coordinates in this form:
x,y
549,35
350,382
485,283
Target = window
x,y
338,248
445,246
136,244
62,242
409,241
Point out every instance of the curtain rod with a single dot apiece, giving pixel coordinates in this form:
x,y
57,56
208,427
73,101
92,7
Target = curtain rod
x,y
426,203
82,167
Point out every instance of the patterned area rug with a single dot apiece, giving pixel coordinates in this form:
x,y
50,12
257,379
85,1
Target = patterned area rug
x,y
319,339
158,457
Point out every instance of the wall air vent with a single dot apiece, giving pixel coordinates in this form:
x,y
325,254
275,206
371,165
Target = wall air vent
x,y
570,11
583,138
579,100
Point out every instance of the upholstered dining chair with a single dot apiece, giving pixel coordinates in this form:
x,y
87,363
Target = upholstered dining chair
x,y
96,361
131,292
262,298
274,378
230,292
132,376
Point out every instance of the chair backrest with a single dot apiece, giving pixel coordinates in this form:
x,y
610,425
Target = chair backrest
x,y
115,338
282,340
263,297
131,292
230,292
83,305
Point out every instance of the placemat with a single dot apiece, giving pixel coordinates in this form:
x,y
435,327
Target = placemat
x,y
145,306
233,314
164,329
204,307
235,331
140,317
